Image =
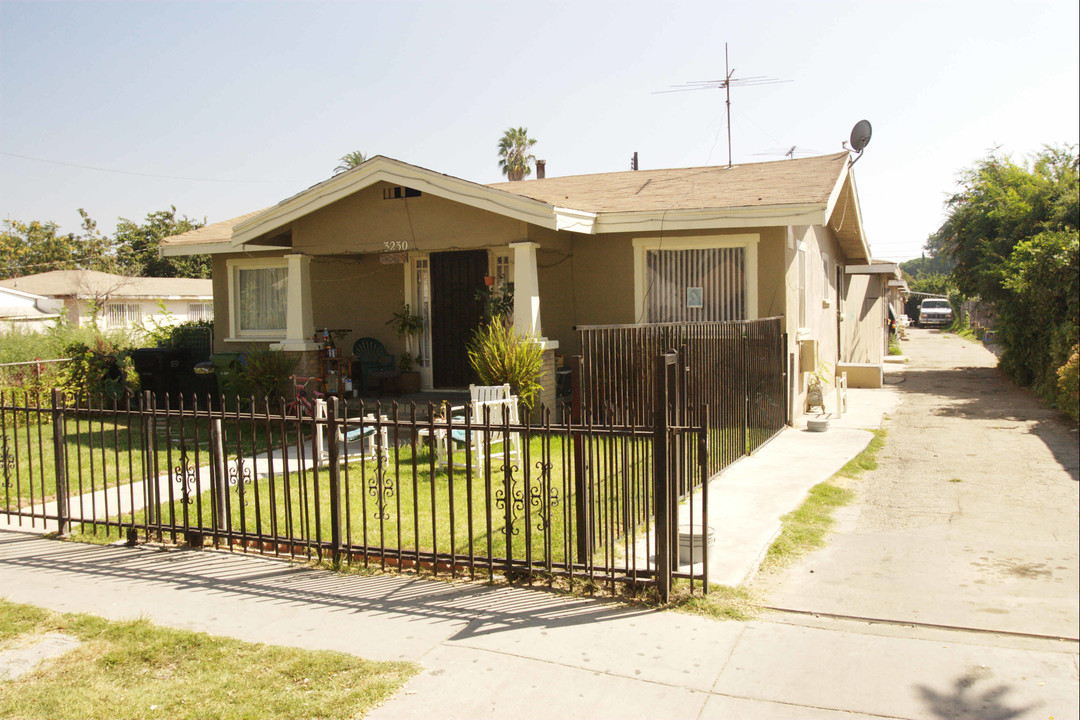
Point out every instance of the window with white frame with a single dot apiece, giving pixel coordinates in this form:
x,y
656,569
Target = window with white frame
x,y
200,311
123,315
259,292
696,279
503,272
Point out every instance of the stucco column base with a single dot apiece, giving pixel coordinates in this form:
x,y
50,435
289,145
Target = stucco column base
x,y
546,397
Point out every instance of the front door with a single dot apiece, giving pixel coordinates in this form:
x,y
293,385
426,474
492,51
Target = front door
x,y
455,313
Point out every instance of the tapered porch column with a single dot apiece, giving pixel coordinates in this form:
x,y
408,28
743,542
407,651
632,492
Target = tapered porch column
x,y
526,290
299,323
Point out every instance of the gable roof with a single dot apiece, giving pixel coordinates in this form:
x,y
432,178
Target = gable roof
x,y
91,283
805,191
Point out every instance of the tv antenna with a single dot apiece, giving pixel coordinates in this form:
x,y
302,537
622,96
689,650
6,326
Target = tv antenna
x,y
789,152
725,85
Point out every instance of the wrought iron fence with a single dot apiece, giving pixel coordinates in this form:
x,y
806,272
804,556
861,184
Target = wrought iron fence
x,y
360,485
736,369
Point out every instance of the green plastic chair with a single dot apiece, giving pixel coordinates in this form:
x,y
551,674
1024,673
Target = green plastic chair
x,y
373,357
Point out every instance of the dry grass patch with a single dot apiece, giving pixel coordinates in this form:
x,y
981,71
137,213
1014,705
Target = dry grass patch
x,y
134,669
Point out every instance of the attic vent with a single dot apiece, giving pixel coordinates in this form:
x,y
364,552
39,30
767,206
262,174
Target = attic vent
x,y
396,193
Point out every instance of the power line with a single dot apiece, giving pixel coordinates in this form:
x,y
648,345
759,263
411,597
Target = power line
x,y
132,172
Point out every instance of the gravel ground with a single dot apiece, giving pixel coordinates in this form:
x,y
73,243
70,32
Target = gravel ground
x,y
971,520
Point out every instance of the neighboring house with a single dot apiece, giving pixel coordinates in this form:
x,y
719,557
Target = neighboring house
x,y
120,302
26,311
872,291
689,244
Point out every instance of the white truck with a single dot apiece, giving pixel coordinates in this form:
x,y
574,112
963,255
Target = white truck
x,y
934,312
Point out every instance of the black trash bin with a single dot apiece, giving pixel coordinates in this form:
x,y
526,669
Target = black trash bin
x,y
159,372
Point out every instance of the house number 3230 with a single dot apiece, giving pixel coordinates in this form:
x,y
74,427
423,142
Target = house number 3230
x,y
395,245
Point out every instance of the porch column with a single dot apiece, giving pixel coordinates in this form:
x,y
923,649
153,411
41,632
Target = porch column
x,y
299,323
526,290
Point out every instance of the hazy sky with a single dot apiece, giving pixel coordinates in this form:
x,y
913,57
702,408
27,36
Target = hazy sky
x,y
223,108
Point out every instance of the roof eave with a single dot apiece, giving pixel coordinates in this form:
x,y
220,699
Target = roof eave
x,y
384,169
218,247
712,218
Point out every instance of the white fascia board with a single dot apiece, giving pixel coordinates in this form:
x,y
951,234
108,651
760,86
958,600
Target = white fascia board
x,y
216,248
380,169
578,221
847,176
875,269
712,218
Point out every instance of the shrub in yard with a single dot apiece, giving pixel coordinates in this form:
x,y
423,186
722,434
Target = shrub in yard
x,y
1068,376
100,368
499,355
265,373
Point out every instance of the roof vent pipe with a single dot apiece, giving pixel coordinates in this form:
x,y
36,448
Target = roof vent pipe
x,y
541,169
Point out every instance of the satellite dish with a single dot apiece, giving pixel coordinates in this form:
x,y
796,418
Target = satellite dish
x,y
860,135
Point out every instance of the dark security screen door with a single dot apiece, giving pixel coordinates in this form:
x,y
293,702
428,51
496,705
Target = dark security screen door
x,y
455,313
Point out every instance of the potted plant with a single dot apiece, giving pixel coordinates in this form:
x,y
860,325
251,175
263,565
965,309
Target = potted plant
x,y
409,377
407,325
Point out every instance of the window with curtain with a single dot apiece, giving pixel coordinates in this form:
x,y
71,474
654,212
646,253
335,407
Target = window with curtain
x,y
261,298
123,315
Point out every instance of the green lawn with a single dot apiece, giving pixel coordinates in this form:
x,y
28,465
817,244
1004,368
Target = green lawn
x,y
413,507
134,669
105,447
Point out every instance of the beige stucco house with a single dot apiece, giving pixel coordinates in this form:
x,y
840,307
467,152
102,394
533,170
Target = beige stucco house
x,y
688,244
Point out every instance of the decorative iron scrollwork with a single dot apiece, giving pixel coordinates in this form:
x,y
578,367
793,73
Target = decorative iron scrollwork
x,y
381,487
240,475
7,460
516,499
186,476
541,501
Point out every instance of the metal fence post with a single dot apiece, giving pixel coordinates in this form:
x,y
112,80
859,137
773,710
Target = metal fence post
x,y
661,484
581,505
220,484
150,475
63,520
333,460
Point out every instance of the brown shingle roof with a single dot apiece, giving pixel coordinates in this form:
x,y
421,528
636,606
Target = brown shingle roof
x,y
780,182
213,233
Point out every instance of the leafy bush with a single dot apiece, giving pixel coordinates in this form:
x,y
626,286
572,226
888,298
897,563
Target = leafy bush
x,y
21,345
100,369
265,373
1068,385
500,356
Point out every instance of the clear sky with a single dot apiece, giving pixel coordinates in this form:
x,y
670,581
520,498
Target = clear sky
x,y
223,108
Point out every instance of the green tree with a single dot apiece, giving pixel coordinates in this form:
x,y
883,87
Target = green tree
x,y
514,158
349,161
37,247
1001,204
1012,231
137,247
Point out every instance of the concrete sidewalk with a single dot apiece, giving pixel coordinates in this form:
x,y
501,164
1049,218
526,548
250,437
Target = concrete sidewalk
x,y
531,654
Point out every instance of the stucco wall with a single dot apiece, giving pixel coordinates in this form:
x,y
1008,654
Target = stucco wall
x,y
865,311
366,222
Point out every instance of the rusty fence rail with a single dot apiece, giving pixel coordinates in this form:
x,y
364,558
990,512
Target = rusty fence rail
x,y
359,485
736,369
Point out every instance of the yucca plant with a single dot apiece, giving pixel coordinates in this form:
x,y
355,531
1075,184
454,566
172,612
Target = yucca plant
x,y
499,355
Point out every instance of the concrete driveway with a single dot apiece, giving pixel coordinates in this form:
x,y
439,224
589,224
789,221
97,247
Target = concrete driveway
x,y
971,520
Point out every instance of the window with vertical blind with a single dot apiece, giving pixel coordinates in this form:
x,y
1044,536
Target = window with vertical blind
x,y
259,292
707,279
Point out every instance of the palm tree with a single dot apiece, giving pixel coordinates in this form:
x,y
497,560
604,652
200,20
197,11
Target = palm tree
x,y
514,159
349,161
